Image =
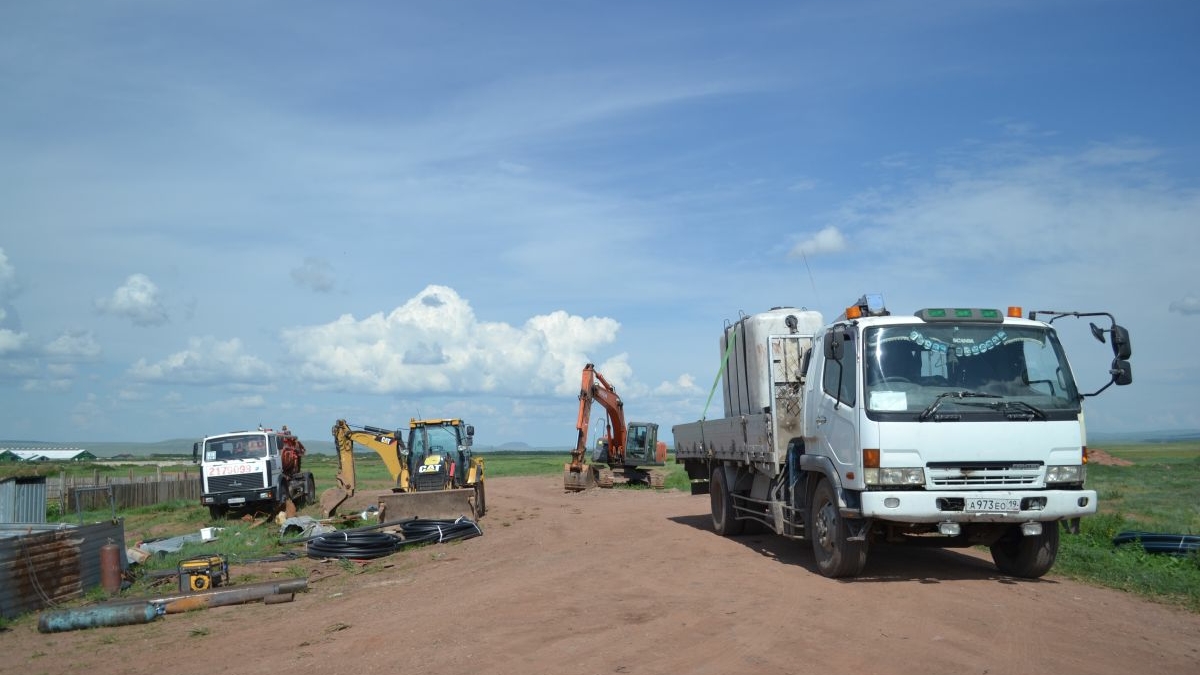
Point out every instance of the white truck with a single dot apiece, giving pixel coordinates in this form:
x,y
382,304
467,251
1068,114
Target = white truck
x,y
254,471
950,427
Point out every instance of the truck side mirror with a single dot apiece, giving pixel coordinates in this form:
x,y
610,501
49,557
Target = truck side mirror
x,y
195,453
1122,373
834,347
1120,343
470,430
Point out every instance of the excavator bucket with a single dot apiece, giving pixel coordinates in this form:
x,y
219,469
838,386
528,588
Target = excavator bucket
x,y
578,481
430,505
331,499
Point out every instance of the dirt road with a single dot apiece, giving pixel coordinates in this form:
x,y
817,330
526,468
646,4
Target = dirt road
x,y
635,582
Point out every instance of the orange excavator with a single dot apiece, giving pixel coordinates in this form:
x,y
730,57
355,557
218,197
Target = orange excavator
x,y
624,450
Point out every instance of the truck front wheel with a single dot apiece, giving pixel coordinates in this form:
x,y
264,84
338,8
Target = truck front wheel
x,y
724,522
836,555
217,512
1024,556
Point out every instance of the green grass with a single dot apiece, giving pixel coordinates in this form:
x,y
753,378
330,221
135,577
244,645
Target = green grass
x,y
1160,493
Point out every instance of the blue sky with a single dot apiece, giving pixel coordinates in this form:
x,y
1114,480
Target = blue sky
x,y
223,214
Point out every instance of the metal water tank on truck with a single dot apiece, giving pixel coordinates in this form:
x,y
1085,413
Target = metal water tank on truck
x,y
947,427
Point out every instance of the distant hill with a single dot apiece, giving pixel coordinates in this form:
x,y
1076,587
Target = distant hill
x,y
1144,437
182,447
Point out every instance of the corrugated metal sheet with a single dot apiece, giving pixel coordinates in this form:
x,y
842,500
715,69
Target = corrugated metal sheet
x,y
45,564
23,499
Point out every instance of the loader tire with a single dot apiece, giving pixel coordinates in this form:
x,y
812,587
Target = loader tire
x,y
480,501
724,522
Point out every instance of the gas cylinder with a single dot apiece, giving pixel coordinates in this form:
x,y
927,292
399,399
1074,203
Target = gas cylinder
x,y
110,568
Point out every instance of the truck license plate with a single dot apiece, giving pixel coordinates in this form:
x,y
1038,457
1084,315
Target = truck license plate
x,y
993,505
237,500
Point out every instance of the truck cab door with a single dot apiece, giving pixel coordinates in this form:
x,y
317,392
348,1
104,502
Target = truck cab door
x,y
831,412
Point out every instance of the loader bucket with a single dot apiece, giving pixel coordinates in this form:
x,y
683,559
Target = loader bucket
x,y
577,481
430,505
331,499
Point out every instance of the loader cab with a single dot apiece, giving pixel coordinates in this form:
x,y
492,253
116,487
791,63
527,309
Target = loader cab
x,y
439,453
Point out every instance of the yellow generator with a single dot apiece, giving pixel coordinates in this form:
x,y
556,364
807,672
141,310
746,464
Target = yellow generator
x,y
202,572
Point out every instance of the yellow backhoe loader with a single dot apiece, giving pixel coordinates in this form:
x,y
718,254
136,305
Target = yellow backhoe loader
x,y
435,474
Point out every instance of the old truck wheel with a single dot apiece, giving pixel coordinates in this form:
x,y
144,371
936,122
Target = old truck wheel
x,y
836,555
310,490
216,512
1026,557
724,522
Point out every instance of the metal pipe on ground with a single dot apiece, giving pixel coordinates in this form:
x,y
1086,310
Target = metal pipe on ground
x,y
230,596
101,615
294,585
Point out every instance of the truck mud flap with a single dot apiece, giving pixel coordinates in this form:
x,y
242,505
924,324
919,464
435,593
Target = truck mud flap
x,y
431,505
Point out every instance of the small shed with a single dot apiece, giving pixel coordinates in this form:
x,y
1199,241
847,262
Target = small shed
x,y
23,499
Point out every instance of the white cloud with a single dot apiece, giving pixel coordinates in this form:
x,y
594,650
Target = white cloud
x,y
137,300
74,344
434,343
8,276
315,274
1187,305
684,384
828,240
11,341
205,361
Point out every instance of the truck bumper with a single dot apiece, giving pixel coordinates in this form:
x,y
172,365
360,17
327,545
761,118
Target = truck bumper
x,y
950,506
238,497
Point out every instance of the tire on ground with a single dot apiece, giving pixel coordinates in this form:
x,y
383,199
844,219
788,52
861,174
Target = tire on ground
x,y
1024,556
835,554
724,523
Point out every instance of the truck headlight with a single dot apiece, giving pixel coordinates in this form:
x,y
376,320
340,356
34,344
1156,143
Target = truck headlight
x,y
894,476
1070,473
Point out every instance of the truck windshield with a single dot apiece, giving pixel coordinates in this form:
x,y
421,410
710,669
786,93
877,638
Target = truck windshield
x,y
980,370
246,446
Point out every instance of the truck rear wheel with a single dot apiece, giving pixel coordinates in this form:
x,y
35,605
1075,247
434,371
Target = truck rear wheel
x,y
1024,556
724,522
836,555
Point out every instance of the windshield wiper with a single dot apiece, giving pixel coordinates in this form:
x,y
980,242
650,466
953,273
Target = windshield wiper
x,y
1021,406
937,402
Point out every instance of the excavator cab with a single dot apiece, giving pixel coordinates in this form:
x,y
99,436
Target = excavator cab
x,y
642,443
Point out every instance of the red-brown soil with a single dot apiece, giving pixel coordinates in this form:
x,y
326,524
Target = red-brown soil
x,y
636,582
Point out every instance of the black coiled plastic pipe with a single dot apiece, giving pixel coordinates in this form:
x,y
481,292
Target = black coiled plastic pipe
x,y
366,545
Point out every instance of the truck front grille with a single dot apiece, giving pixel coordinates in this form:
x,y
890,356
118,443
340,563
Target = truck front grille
x,y
985,474
240,481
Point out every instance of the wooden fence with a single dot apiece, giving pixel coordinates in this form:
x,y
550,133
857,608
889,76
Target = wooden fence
x,y
73,493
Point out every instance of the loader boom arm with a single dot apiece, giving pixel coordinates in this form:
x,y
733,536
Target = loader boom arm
x,y
387,444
